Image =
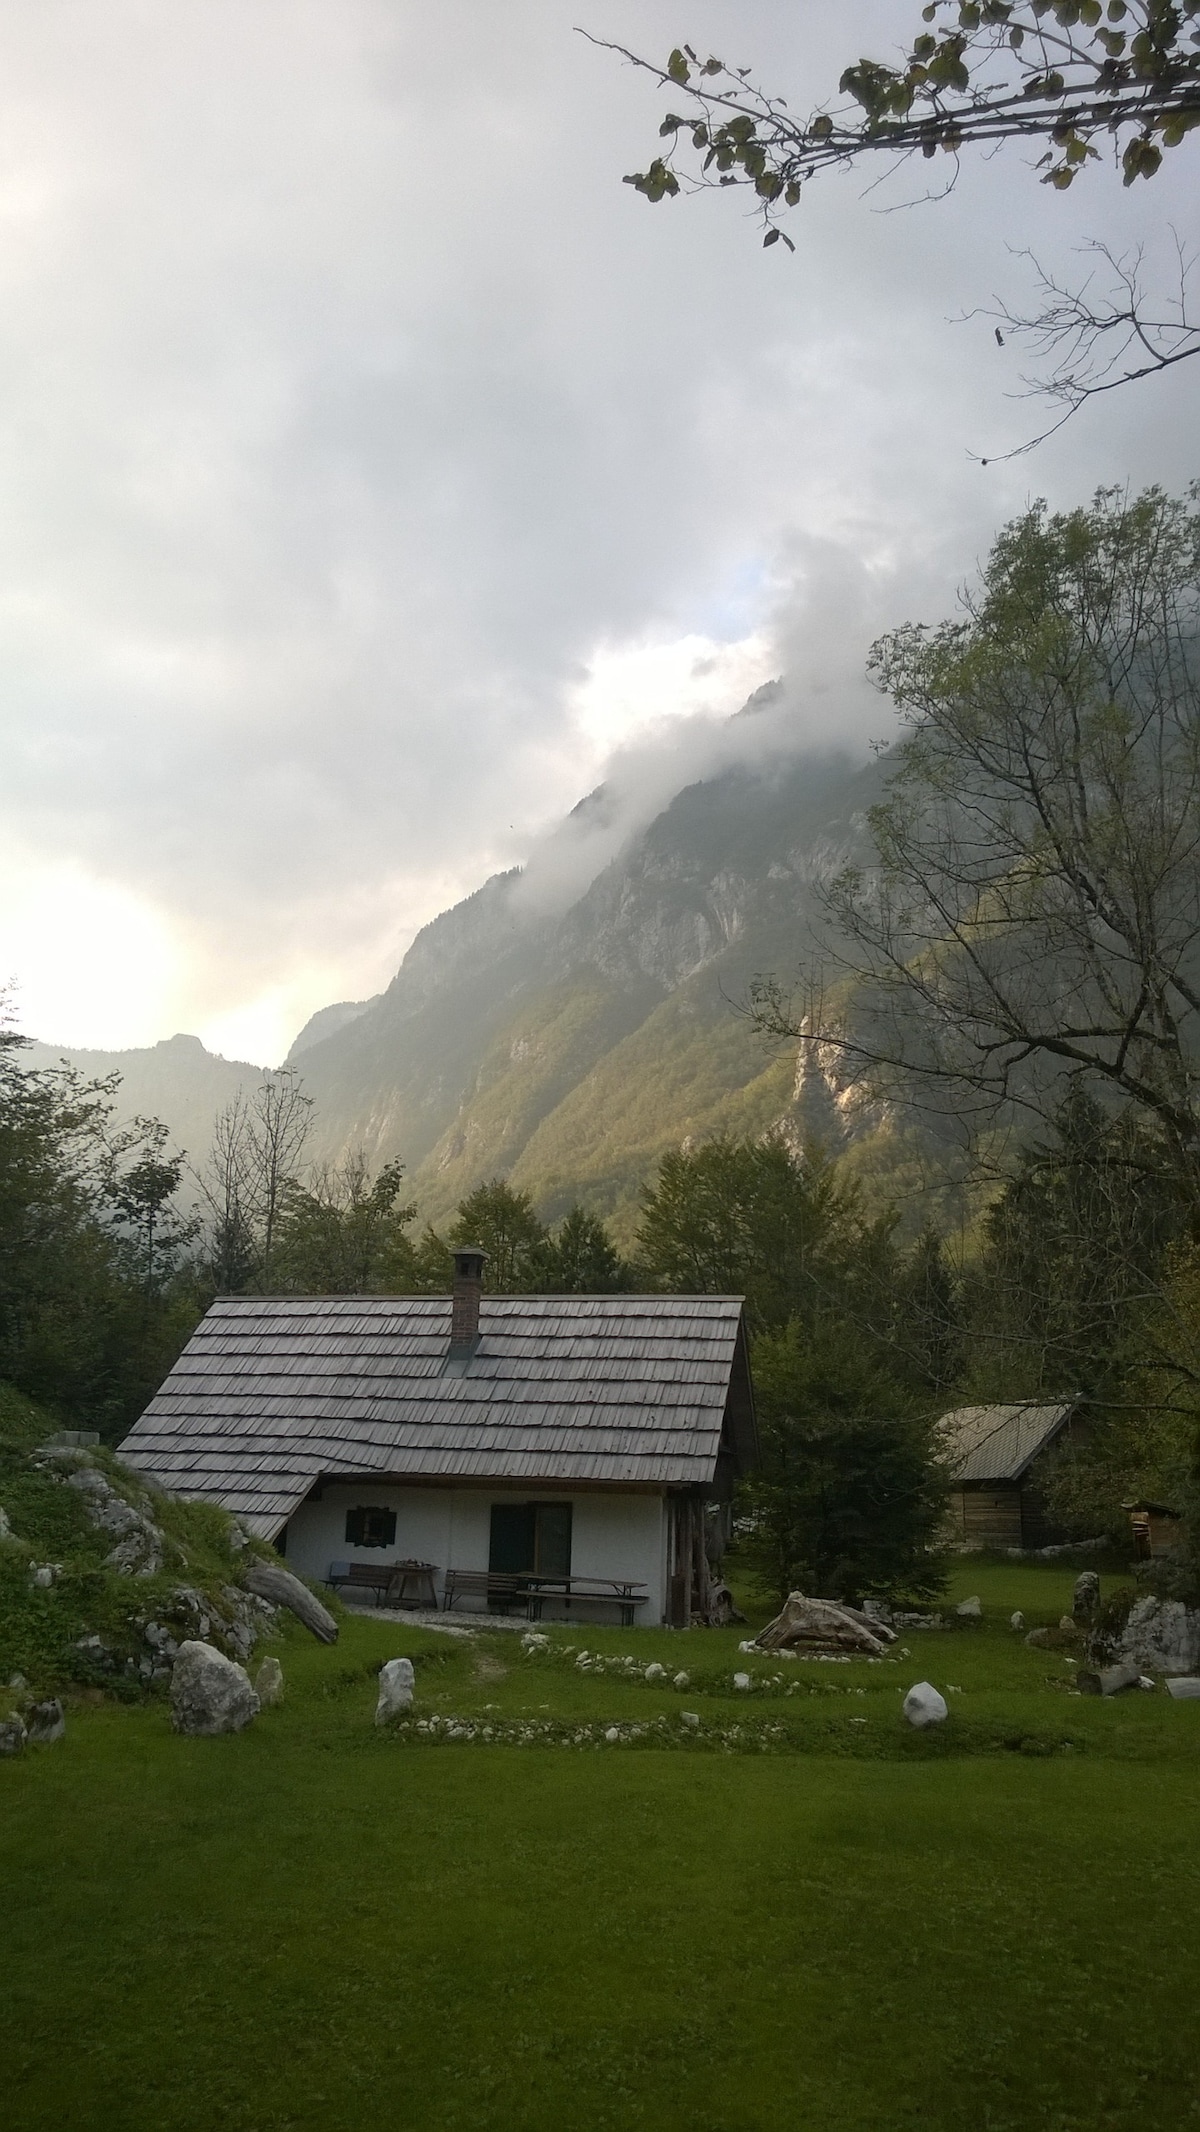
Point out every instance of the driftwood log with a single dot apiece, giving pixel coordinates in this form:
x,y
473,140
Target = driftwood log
x,y
267,1581
823,1625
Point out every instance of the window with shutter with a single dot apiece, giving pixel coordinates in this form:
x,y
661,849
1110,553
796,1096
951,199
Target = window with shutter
x,y
370,1526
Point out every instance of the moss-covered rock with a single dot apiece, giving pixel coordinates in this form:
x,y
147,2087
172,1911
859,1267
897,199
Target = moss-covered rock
x,y
103,1577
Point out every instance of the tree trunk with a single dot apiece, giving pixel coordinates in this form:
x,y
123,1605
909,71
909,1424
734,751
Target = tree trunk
x,y
282,1589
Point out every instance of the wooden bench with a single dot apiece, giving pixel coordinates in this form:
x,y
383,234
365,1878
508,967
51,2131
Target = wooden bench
x,y
525,1588
390,1581
613,1591
494,1586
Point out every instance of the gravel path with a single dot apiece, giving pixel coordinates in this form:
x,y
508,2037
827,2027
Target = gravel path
x,y
420,1618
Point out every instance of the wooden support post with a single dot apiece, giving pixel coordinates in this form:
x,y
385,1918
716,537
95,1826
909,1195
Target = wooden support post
x,y
701,1559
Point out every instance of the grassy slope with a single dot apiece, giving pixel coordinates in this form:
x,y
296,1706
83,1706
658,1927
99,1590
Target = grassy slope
x,y
40,1630
314,1926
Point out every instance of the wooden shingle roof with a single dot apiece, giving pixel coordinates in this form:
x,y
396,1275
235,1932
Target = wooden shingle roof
x,y
273,1393
997,1443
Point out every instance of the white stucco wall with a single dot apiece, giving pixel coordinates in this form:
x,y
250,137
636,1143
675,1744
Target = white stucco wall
x,y
613,1534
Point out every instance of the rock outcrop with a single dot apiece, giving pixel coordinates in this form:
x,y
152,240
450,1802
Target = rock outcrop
x,y
209,1693
138,1542
1161,1636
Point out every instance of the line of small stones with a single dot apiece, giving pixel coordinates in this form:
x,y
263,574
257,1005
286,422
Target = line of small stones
x,y
688,1730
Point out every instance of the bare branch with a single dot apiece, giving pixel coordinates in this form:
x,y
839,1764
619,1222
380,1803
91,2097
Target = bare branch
x,y
1091,341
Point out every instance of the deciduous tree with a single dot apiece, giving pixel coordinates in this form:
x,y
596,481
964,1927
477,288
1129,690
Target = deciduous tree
x,y
346,1233
1077,78
1033,919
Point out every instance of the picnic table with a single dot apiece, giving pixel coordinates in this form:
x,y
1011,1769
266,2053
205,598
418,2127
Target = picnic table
x,y
505,1588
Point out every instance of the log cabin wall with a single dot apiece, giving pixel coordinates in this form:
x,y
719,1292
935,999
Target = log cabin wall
x,y
989,1516
1039,1527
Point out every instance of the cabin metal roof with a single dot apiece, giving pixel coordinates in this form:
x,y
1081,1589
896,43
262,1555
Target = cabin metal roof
x,y
272,1394
998,1443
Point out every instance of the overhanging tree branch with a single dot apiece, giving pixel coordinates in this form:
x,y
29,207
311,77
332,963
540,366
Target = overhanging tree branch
x,y
1068,72
1076,76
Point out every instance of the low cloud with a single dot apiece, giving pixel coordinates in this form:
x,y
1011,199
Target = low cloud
x,y
356,480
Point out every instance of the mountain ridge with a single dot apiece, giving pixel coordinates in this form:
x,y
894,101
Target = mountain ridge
x,y
565,1032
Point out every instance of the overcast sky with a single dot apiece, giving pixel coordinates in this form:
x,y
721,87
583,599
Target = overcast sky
x,y
373,462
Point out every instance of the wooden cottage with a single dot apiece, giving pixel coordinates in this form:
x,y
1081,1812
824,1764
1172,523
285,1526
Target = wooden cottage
x,y
489,1450
997,1457
1157,1530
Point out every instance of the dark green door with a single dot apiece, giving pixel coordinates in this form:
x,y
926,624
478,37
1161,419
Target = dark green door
x,y
553,1540
512,1538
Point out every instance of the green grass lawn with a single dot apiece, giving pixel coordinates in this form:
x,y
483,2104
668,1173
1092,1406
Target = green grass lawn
x,y
313,1925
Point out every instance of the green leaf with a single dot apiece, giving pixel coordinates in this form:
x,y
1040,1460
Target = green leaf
x,y
677,68
1141,159
822,127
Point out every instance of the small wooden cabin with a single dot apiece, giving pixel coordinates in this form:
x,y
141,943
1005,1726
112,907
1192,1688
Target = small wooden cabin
x,y
997,1456
1157,1529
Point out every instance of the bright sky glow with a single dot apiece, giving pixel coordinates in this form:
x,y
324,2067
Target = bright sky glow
x,y
360,497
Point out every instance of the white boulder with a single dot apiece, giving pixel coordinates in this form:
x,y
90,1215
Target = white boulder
x,y
924,1706
741,1681
970,1609
690,1718
1017,1620
209,1692
655,1671
268,1683
1184,1689
395,1690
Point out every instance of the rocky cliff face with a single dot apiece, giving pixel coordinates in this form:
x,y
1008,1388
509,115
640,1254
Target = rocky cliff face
x,y
568,1051
567,1047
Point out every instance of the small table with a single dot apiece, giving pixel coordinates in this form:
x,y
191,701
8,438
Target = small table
x,y
412,1585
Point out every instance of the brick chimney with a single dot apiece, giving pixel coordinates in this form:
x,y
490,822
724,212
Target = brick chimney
x,y
464,1301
